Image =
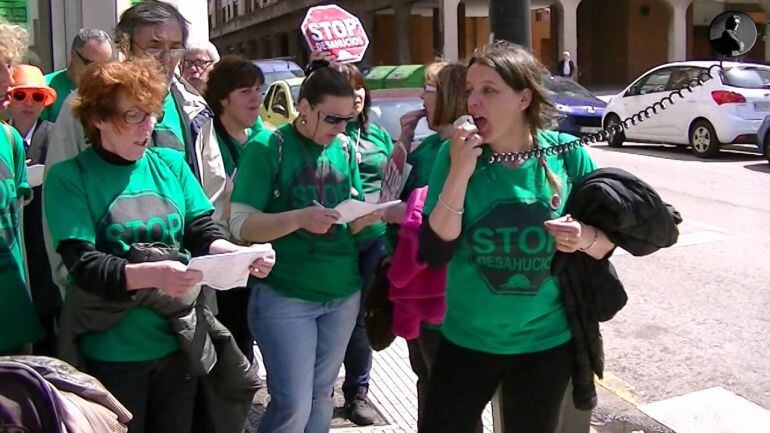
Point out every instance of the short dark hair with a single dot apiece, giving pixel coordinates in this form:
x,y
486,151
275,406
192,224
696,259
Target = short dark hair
x,y
732,22
357,81
148,13
323,82
233,72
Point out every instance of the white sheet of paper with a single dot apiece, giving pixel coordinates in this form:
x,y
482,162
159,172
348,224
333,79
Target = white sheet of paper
x,y
351,209
35,174
229,270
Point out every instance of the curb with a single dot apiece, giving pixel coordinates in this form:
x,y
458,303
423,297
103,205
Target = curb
x,y
615,414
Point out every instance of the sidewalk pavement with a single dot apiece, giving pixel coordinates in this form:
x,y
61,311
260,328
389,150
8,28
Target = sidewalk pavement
x,y
392,392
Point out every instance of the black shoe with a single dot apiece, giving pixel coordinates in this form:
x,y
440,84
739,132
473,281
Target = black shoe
x,y
358,408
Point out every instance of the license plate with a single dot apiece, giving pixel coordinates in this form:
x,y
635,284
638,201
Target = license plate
x,y
590,129
762,106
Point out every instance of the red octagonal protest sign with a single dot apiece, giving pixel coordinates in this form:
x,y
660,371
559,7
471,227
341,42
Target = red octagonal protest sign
x,y
336,31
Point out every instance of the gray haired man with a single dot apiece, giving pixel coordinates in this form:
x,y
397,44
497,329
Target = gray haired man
x,y
88,46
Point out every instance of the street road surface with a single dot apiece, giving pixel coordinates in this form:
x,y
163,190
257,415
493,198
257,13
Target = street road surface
x,y
698,314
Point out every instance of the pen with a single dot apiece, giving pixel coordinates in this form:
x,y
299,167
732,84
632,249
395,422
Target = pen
x,y
315,203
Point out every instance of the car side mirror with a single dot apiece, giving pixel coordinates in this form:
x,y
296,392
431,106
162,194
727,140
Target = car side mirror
x,y
280,109
632,91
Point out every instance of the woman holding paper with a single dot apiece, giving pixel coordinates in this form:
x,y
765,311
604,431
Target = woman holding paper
x,y
302,316
107,203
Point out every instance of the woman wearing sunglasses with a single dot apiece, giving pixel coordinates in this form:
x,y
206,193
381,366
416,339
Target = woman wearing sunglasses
x,y
19,326
28,97
113,198
303,315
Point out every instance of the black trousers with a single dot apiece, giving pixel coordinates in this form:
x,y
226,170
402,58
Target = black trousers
x,y
160,394
463,381
232,305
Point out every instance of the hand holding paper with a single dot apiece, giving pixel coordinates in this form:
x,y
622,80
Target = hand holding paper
x,y
351,210
229,270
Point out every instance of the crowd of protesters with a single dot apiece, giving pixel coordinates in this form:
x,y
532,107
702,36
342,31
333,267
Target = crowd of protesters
x,y
161,156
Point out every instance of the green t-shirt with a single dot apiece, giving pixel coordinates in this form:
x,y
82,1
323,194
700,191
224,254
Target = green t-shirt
x,y
501,296
374,147
315,268
114,206
59,81
169,132
18,320
231,151
259,125
422,159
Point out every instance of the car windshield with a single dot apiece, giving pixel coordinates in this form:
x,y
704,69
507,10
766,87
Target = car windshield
x,y
387,113
565,87
295,94
747,77
272,77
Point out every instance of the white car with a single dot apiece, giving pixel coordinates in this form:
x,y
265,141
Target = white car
x,y
727,109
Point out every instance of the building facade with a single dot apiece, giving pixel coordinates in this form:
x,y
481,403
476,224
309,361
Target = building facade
x,y
53,23
612,41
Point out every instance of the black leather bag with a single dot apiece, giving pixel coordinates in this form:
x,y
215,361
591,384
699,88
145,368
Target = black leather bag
x,y
378,310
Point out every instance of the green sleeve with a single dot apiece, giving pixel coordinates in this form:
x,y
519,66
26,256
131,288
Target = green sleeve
x,y
385,139
257,172
73,221
195,199
437,178
20,165
577,161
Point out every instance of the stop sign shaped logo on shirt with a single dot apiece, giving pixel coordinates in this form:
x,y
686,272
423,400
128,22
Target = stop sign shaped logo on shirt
x,y
337,31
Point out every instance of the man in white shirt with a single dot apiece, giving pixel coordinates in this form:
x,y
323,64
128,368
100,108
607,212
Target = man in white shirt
x,y
566,67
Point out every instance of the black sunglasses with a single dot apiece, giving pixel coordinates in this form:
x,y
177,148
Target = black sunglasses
x,y
333,119
23,95
85,61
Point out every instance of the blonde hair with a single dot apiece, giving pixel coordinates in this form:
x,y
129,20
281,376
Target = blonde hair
x,y
13,42
521,70
432,70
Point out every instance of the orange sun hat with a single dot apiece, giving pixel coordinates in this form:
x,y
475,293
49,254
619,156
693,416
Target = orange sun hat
x,y
27,77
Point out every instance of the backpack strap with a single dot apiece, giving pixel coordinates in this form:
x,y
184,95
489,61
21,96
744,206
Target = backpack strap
x,y
276,179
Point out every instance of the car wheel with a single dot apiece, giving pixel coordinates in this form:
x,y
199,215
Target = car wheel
x,y
614,139
767,147
703,139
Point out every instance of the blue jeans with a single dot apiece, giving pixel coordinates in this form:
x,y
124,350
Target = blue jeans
x,y
303,344
358,357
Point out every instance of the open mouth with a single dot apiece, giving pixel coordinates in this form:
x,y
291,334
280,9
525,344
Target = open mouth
x,y
480,122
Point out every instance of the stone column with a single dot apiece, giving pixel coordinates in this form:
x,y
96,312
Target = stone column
x,y
568,28
677,30
403,18
451,42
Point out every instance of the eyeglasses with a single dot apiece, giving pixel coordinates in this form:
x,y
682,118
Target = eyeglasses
x,y
333,119
199,64
429,88
135,117
85,61
25,95
157,53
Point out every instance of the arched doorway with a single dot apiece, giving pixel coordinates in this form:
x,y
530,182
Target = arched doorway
x,y
624,39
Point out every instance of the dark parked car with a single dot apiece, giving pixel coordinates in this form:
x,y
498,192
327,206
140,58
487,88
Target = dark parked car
x,y
579,111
